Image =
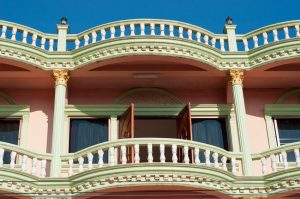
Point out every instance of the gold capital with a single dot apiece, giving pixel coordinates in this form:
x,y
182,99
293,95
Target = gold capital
x,y
61,77
236,76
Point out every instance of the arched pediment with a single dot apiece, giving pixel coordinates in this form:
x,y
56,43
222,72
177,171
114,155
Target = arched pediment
x,y
5,97
293,95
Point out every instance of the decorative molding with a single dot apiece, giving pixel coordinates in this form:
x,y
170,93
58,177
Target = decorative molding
x,y
7,98
61,77
288,94
236,76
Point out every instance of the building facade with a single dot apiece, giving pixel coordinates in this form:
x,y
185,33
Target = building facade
x,y
150,108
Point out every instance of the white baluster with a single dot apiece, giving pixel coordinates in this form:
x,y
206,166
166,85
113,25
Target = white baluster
x,y
233,165
265,36
255,40
34,165
142,27
284,159
43,42
24,163
94,37
206,39
100,155
162,153
111,152
122,29
174,153
213,42
171,29
297,30
123,155
90,161
297,156
34,37
263,165
216,161
77,42
132,27
14,33
273,162
43,168
25,34
162,29
207,158
246,47
12,159
286,32
190,34
198,37
136,153
1,156
224,165
275,35
150,153
186,158
3,35
80,162
103,33
180,30
222,45
51,42
196,152
70,171
86,39
112,32
152,29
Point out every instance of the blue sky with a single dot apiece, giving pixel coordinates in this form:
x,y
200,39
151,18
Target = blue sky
x,y
209,14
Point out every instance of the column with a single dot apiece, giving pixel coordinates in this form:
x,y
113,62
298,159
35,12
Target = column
x,y
61,78
236,78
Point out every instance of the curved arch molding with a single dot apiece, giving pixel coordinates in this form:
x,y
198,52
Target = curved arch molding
x,y
288,94
7,98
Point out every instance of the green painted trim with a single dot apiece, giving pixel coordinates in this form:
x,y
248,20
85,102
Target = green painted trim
x,y
288,94
7,98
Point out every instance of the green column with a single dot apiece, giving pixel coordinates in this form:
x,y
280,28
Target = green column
x,y
61,77
236,77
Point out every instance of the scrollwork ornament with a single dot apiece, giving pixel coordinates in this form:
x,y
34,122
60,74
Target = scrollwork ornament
x,y
236,76
61,77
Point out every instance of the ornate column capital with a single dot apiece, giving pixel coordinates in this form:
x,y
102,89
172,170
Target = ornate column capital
x,y
61,77
236,76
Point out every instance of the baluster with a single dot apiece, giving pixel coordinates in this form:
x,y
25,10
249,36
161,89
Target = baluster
x,y
100,161
186,158
43,168
86,39
80,161
34,165
297,156
198,36
150,153
14,33
255,40
132,27
24,163
224,165
171,28
174,153
284,158
265,36
233,165
25,33
43,42
136,153
51,42
103,33
215,157
246,47
1,156
205,39
77,42
180,30
123,155
190,34
90,161
112,32
3,35
263,165
297,30
34,37
273,162
142,27
207,158
152,28
222,45
162,29
111,151
162,153
12,159
213,42
70,171
286,32
94,37
122,29
275,35
196,152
